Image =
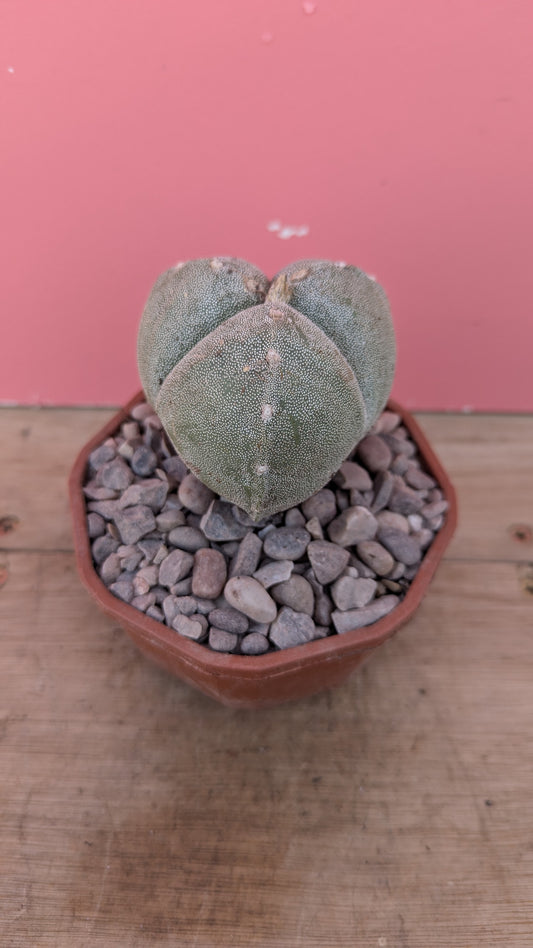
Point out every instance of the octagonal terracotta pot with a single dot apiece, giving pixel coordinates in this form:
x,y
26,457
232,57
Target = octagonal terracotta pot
x,y
245,680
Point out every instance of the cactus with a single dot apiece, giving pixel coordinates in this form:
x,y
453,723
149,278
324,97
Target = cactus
x,y
264,389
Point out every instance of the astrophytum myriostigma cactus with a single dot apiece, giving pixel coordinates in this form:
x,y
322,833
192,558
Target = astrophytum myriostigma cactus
x,y
265,387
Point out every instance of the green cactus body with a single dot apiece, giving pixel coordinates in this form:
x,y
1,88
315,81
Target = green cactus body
x,y
264,400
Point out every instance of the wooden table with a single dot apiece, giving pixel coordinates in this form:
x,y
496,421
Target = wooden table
x,y
394,811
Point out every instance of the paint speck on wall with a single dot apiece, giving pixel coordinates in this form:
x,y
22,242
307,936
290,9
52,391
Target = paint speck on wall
x,y
285,231
309,7
11,69
267,37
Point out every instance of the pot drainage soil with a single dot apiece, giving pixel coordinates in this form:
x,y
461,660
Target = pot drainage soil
x,y
171,548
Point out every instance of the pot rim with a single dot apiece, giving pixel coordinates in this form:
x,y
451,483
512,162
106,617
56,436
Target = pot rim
x,y
332,648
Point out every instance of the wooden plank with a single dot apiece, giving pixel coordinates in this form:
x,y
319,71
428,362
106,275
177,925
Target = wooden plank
x,y
394,810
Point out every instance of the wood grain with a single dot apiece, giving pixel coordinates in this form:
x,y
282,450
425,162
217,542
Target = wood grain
x,y
392,811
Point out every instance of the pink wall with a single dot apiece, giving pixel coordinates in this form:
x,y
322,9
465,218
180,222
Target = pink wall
x,y
139,132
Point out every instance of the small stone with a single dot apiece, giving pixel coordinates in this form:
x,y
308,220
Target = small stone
x,y
286,543
362,568
142,603
95,525
275,571
123,589
322,631
183,587
376,556
204,606
350,593
294,518
150,574
358,618
130,556
291,628
254,644
383,486
244,519
321,505
229,549
327,559
111,569
175,470
130,430
170,608
387,519
141,411
150,493
264,531
415,522
352,475
314,527
352,526
343,499
185,605
219,524
296,593
392,586
387,422
155,613
323,608
402,545
262,627
209,574
93,492
397,572
191,628
115,474
169,519
405,501
221,640
143,461
418,479
246,559
374,453
149,548
194,495
400,464
103,547
188,538
229,619
134,523
102,455
105,508
423,537
400,445
435,509
174,567
250,597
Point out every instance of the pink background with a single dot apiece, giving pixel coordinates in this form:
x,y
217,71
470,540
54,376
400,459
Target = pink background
x,y
136,133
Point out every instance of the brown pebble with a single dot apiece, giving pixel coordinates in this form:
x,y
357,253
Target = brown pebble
x,y
374,453
376,556
209,574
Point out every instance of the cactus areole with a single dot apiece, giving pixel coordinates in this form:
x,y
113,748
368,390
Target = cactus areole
x,y
265,387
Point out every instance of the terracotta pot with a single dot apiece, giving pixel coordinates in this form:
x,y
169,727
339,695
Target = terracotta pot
x,y
245,680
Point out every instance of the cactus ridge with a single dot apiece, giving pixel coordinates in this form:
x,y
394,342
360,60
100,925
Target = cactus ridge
x,y
265,387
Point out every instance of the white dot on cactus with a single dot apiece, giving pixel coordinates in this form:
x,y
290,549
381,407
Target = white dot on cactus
x,y
216,264
179,265
273,357
371,277
341,264
266,412
261,468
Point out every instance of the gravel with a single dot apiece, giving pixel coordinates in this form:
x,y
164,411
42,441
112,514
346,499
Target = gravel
x,y
164,543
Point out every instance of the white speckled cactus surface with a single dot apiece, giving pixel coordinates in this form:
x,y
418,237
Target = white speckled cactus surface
x,y
265,387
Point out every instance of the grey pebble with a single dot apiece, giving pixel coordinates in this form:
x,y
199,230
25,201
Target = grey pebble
x,y
387,519
291,628
111,569
246,559
400,465
150,493
219,524
94,492
194,495
314,527
103,547
123,589
155,613
170,519
383,486
191,627
204,606
143,461
187,538
376,556
102,455
343,499
350,593
352,526
143,603
374,453
183,587
359,618
351,475
175,470
247,595
286,543
115,474
95,525
185,605
209,574
254,644
321,505
275,571
404,500
435,509
418,479
402,545
327,560
222,641
134,523
387,422
141,411
296,593
294,518
105,508
174,567
229,619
